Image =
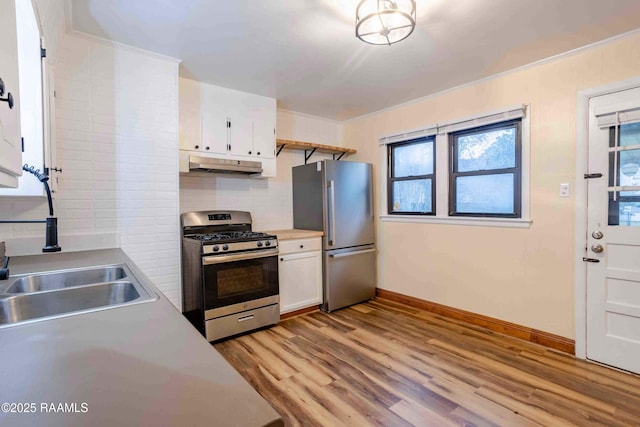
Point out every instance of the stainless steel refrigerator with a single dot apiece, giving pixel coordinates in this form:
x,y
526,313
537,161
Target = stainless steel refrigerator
x,y
337,197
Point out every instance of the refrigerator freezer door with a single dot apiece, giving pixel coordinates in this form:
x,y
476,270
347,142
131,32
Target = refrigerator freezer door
x,y
349,276
348,204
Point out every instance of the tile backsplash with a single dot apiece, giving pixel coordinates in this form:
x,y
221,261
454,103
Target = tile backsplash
x,y
268,200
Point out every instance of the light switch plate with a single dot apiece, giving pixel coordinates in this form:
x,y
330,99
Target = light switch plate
x,y
564,190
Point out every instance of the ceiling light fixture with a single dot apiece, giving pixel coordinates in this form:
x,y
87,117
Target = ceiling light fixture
x,y
385,21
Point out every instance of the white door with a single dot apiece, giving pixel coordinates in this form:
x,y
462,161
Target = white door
x,y
612,248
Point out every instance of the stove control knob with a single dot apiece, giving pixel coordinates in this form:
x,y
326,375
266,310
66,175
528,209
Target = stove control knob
x,y
259,244
267,243
216,248
225,247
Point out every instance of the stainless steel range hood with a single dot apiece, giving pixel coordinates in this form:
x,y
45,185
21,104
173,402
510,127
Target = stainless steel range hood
x,y
216,165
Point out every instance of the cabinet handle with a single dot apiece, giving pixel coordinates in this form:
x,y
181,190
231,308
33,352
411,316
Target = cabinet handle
x,y
258,153
206,148
301,246
281,259
197,147
249,152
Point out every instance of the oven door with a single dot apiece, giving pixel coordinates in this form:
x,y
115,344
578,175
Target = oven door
x,y
238,282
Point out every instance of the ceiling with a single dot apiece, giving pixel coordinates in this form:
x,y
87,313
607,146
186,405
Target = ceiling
x,y
304,52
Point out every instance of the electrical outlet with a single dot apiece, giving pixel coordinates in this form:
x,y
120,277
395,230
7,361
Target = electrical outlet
x,y
564,190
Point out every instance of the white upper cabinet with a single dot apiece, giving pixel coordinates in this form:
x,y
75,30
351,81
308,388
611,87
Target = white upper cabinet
x,y
228,124
264,138
10,137
250,121
215,135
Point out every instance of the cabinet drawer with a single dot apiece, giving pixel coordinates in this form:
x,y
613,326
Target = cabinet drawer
x,y
300,245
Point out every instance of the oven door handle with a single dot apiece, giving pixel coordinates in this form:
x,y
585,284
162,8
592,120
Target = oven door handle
x,y
218,259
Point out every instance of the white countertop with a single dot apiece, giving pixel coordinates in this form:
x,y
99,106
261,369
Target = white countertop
x,y
141,365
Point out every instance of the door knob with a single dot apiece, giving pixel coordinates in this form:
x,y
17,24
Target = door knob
x,y
597,248
597,235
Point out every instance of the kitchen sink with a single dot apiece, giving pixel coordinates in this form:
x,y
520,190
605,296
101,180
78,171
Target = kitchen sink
x,y
66,279
36,297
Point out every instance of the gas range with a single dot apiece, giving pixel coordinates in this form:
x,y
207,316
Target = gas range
x,y
229,274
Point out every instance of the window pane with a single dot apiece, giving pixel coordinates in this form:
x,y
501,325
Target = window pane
x,y
413,159
629,214
491,194
495,149
412,196
624,211
628,170
630,134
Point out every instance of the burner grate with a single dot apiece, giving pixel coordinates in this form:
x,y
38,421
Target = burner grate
x,y
230,236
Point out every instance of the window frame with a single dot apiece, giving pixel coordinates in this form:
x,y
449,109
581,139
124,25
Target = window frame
x,y
441,132
391,179
453,138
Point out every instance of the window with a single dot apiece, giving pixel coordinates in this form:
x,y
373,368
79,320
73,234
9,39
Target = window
x,y
484,178
472,171
411,183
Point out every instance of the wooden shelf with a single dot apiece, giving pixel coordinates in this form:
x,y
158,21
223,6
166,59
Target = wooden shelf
x,y
311,147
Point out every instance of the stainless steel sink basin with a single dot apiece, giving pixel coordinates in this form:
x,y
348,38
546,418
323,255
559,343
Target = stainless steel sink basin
x,y
37,297
66,279
44,304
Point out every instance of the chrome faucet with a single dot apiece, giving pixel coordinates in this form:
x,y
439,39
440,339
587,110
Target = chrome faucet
x,y
51,233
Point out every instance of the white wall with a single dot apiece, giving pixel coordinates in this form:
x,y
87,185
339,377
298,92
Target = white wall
x,y
269,200
117,143
524,276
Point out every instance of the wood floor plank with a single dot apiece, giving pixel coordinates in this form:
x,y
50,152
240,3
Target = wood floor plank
x,y
382,363
419,416
473,404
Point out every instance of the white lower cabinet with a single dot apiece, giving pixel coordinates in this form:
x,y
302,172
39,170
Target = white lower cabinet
x,y
300,277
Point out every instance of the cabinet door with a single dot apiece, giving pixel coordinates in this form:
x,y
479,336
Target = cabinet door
x,y
215,134
241,136
264,138
10,144
300,280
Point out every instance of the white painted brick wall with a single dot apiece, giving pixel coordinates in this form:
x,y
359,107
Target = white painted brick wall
x,y
117,143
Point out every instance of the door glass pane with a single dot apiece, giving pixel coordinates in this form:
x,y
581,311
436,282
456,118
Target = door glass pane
x,y
495,149
629,170
630,134
492,194
413,159
625,210
412,196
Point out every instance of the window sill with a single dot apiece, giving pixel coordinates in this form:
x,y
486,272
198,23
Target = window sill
x,y
477,222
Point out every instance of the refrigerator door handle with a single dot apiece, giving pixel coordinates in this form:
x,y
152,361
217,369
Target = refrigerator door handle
x,y
330,212
344,254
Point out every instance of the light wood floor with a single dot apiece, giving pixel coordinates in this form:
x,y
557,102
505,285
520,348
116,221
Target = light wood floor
x,y
387,364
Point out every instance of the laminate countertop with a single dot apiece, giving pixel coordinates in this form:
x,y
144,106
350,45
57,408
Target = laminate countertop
x,y
295,233
138,365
